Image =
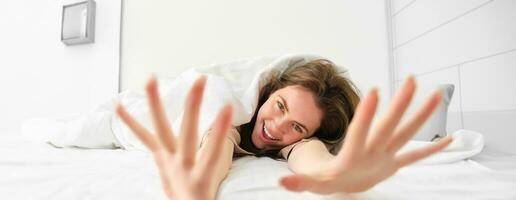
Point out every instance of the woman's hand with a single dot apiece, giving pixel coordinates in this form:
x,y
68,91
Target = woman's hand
x,y
370,156
181,176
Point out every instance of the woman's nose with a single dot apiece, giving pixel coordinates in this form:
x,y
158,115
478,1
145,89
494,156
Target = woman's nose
x,y
279,126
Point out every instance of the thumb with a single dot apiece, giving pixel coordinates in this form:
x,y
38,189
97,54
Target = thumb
x,y
298,182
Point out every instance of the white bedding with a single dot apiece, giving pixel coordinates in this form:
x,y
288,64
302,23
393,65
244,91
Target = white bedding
x,y
31,170
236,82
36,170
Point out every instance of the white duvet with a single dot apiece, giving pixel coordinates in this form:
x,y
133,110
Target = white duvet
x,y
235,82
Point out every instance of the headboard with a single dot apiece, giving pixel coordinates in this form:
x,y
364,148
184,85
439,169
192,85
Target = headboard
x,y
468,43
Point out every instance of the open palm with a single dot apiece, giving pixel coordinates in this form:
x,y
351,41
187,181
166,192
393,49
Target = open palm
x,y
370,156
182,175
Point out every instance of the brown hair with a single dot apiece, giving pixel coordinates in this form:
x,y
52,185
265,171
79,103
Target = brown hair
x,y
335,95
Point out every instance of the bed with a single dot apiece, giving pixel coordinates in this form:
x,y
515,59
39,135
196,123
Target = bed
x,y
77,157
31,170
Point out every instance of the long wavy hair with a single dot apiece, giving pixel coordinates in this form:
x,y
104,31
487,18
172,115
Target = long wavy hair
x,y
334,94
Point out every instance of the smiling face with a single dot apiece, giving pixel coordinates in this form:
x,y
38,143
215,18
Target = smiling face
x,y
289,115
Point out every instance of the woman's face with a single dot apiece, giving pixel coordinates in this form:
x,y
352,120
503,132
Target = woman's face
x,y
289,115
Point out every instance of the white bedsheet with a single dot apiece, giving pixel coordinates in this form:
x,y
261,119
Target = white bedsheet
x,y
39,171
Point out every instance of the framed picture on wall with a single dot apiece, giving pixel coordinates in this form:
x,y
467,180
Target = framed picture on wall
x,y
78,23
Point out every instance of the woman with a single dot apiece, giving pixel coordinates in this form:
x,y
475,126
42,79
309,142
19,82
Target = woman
x,y
302,116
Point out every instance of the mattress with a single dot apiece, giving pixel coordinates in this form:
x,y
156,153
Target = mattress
x,y
30,170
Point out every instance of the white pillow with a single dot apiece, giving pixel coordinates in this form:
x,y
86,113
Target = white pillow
x,y
435,126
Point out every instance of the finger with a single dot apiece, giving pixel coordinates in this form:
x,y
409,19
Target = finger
x,y
215,143
410,128
142,134
418,154
300,183
359,126
158,116
188,137
164,173
390,119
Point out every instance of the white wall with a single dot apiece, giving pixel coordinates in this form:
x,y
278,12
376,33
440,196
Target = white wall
x,y
471,44
40,76
166,37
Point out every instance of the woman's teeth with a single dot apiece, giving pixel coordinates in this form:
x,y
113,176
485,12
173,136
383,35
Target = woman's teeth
x,y
269,136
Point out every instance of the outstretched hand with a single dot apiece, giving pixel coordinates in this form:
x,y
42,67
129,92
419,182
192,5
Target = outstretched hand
x,y
181,176
370,156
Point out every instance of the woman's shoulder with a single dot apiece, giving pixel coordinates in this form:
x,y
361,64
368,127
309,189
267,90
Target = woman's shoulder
x,y
233,134
285,151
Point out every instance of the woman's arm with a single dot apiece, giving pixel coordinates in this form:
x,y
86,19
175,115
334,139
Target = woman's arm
x,y
222,166
307,157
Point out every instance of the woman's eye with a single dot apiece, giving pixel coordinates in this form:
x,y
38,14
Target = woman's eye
x,y
280,106
298,128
